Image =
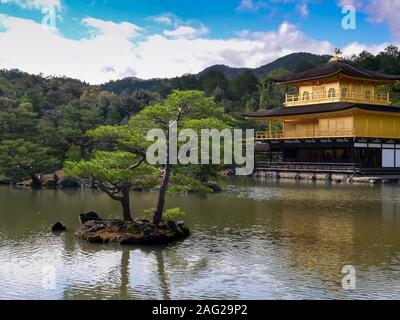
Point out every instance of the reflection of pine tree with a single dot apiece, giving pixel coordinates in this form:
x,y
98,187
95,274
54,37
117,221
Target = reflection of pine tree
x,y
124,278
164,282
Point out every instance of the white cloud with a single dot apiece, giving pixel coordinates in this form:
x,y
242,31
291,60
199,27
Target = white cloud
x,y
117,50
388,12
109,28
303,9
35,4
165,57
378,11
186,32
247,5
356,48
106,55
165,18
355,3
286,40
178,28
253,5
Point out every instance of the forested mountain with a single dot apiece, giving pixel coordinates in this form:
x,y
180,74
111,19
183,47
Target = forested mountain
x,y
43,120
293,62
229,72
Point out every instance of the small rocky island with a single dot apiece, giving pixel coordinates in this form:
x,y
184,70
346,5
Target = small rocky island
x,y
140,232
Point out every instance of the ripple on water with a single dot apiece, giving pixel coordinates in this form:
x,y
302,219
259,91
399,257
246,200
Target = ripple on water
x,y
257,241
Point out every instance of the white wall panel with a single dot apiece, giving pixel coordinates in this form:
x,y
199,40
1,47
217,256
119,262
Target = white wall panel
x,y
388,158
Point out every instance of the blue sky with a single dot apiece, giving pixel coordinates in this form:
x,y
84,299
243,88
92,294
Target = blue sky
x,y
100,40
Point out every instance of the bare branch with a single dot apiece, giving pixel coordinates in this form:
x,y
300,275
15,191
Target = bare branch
x,y
116,187
111,194
134,166
160,121
183,109
136,151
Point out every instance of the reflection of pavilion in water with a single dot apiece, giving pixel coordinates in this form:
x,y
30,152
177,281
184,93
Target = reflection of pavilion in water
x,y
311,233
359,232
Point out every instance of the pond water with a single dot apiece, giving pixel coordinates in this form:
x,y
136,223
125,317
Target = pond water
x,y
257,240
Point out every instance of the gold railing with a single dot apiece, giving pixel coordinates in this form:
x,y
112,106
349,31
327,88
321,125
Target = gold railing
x,y
349,96
317,133
298,134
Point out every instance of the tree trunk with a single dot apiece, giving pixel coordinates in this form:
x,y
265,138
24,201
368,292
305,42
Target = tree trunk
x,y
36,182
125,202
161,198
158,214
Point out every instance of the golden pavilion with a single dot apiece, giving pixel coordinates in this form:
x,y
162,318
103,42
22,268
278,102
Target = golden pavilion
x,y
340,119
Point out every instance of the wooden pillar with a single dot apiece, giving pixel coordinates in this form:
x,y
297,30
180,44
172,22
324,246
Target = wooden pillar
x,y
270,129
351,91
319,151
369,158
270,153
352,155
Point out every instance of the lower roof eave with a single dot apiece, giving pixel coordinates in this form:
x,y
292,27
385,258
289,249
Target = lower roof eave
x,y
318,109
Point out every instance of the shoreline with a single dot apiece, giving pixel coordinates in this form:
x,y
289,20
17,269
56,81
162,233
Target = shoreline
x,y
328,177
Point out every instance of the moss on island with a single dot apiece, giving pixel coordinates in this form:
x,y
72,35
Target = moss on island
x,y
140,232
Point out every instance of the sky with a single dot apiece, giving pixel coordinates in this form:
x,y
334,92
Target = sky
x,y
102,40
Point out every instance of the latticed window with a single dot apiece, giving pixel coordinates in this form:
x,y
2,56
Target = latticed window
x,y
345,93
368,95
306,95
331,93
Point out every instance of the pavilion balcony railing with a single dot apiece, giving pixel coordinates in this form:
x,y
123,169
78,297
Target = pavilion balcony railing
x,y
299,134
310,166
346,96
339,133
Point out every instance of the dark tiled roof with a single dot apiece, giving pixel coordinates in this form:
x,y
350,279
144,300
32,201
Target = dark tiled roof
x,y
334,67
319,108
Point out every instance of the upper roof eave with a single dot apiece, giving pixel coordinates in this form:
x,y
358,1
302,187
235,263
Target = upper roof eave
x,y
332,68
